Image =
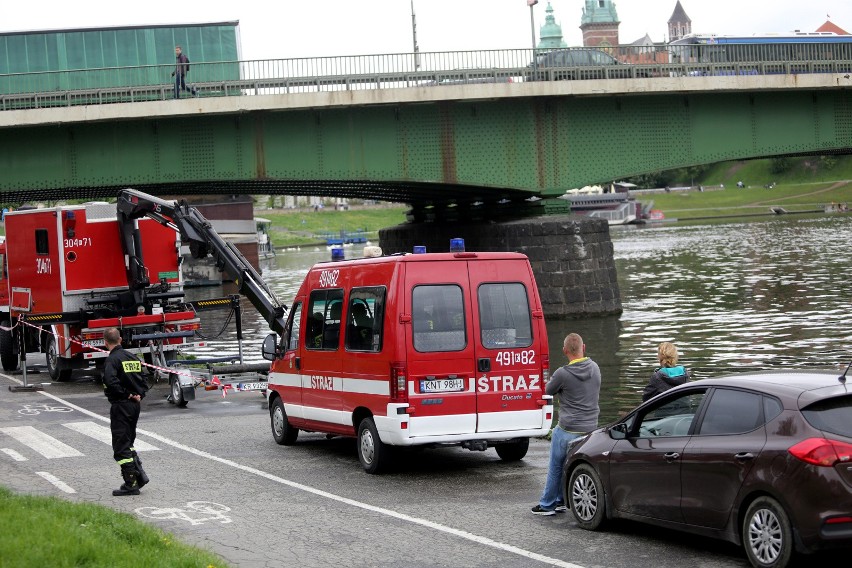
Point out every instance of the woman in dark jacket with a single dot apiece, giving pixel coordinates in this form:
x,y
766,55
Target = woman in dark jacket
x,y
668,375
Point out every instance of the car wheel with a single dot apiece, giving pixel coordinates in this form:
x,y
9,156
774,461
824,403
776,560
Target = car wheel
x,y
372,452
177,393
282,431
513,451
767,536
7,348
586,497
54,363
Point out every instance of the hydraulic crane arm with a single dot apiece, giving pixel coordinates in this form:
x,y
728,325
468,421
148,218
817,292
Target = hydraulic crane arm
x,y
196,231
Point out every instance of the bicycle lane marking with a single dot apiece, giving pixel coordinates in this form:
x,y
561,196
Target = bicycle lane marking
x,y
58,483
485,541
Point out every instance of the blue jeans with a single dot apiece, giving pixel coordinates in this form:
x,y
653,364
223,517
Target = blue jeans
x,y
181,84
553,490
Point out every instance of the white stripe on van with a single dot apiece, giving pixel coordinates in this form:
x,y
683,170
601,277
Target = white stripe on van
x,y
340,384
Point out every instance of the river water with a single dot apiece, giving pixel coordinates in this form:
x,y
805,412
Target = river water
x,y
733,296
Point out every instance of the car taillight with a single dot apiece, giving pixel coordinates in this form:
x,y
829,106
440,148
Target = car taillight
x,y
189,326
90,335
398,383
822,452
545,370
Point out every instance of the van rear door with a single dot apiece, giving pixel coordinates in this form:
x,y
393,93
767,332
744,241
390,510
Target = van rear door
x,y
510,344
441,363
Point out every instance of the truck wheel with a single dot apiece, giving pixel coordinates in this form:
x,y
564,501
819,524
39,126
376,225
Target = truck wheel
x,y
7,348
282,431
177,393
513,451
372,452
54,363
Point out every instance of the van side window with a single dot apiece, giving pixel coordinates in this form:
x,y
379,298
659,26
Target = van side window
x,y
437,318
42,243
325,309
504,315
364,319
291,334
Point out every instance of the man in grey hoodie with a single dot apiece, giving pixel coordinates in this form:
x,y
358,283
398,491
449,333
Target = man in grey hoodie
x,y
578,385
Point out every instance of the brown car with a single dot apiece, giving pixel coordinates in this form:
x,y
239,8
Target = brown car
x,y
763,460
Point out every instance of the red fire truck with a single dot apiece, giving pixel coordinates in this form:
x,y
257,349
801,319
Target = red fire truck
x,y
71,272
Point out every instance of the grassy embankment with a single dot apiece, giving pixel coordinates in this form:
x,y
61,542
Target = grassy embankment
x,y
46,531
306,226
808,185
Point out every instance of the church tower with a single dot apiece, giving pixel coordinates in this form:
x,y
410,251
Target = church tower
x,y
551,32
599,23
679,24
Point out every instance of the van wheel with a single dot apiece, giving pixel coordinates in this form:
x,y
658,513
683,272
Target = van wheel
x,y
54,363
372,452
284,434
766,534
513,451
7,348
585,495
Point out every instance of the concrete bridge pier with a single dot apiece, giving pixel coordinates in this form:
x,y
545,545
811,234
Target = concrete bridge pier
x,y
571,256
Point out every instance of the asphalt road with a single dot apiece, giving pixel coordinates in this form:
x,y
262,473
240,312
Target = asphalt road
x,y
219,481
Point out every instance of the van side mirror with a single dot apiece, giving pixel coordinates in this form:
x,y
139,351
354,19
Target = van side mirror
x,y
618,432
269,350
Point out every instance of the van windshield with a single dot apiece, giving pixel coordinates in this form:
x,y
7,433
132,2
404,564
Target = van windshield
x,y
437,318
504,315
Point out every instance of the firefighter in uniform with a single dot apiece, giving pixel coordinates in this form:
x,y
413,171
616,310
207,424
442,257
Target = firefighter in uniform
x,y
125,387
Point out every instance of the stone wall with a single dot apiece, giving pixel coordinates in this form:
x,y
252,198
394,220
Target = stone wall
x,y
571,256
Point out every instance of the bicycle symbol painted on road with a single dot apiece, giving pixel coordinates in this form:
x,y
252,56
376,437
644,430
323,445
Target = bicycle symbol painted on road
x,y
196,513
33,409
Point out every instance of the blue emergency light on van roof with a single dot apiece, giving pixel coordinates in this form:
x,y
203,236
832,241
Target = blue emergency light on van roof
x,y
456,245
419,249
337,253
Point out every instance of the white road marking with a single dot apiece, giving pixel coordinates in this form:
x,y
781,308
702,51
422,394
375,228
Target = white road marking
x,y
485,541
103,434
13,454
48,446
61,485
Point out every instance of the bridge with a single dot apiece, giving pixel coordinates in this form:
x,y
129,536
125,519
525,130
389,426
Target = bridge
x,y
462,129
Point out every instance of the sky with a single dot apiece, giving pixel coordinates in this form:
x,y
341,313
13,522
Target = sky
x,y
288,29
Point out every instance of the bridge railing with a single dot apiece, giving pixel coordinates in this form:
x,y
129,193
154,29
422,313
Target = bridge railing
x,y
362,72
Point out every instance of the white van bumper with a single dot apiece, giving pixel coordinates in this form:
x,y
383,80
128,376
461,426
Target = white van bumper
x,y
396,427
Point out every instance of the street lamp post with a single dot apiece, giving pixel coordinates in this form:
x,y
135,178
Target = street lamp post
x,y
414,35
532,3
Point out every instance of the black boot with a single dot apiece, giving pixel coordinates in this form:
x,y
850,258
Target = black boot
x,y
131,483
141,476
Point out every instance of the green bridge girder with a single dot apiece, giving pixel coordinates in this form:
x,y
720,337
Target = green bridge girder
x,y
434,152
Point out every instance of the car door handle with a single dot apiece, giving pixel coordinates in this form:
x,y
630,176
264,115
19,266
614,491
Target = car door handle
x,y
744,456
298,362
671,456
484,365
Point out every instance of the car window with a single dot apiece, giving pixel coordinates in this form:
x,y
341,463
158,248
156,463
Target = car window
x,y
772,407
291,334
437,318
504,315
325,310
364,319
600,58
833,415
673,416
732,412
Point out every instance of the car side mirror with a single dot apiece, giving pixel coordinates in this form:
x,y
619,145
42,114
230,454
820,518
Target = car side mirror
x,y
269,350
618,432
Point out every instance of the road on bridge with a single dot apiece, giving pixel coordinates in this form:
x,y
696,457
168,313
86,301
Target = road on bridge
x,y
219,481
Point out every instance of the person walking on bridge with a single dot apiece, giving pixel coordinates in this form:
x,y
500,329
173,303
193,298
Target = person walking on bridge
x,y
125,387
180,72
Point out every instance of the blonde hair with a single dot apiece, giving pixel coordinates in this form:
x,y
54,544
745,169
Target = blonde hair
x,y
667,354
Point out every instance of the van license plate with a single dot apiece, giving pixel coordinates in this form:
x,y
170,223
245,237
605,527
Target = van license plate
x,y
93,343
253,386
442,385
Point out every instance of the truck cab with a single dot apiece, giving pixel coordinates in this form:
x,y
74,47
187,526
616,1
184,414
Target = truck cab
x,y
414,350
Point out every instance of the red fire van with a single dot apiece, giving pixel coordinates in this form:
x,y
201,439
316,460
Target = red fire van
x,y
415,349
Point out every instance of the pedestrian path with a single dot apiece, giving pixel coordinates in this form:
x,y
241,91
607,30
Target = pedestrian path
x,y
52,447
